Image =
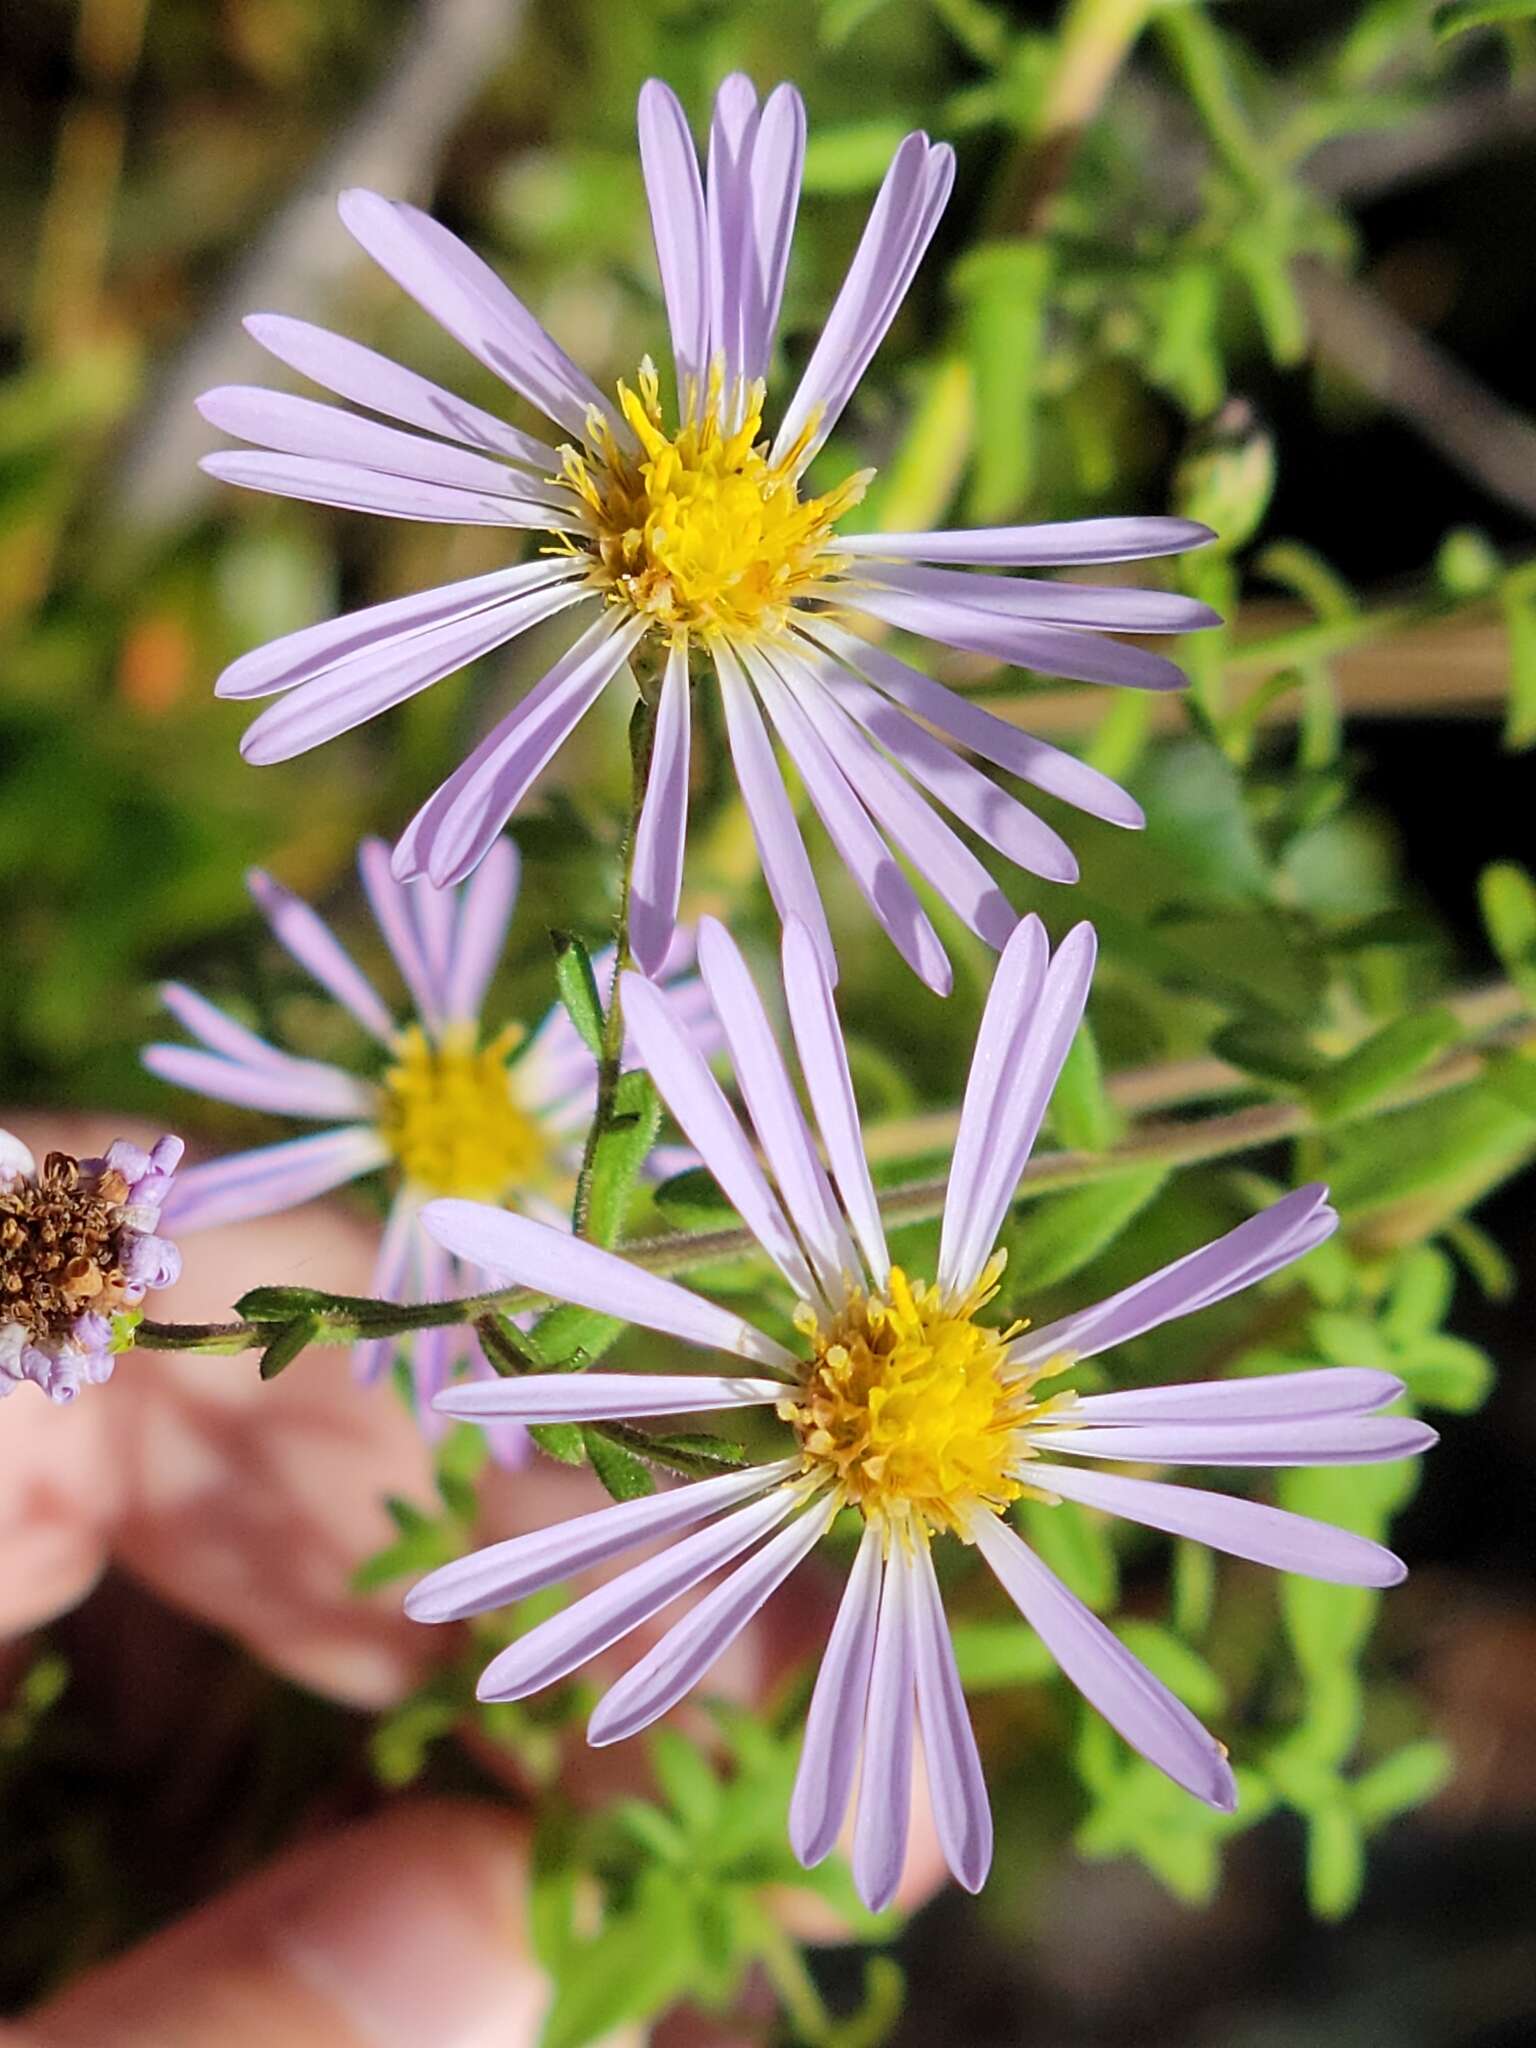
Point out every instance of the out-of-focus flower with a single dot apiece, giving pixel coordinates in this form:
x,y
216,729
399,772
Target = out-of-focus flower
x,y
689,537
80,1248
455,1110
904,1405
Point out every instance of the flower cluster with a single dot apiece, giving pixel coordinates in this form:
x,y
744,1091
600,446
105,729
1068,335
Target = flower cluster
x,y
79,1250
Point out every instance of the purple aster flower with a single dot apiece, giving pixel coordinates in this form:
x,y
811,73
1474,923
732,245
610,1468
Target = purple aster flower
x,y
691,539
79,1250
454,1111
904,1405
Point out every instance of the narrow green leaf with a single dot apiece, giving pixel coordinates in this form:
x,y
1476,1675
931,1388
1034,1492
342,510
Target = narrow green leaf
x,y
1185,1673
993,1655
686,1780
620,1153
1075,1547
285,1347
1421,1292
1082,1115
625,1477
1508,899
578,989
1455,17
1004,289
569,1336
692,1200
1447,1372
1272,1049
1057,1235
1335,1861
632,1970
1520,626
560,1440
1400,1782
1386,1060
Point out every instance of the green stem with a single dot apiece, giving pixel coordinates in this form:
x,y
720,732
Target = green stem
x,y
785,1968
1170,1143
642,739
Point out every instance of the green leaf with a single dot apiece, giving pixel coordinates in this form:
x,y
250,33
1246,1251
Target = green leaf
x,y
686,1780
1075,1547
568,1336
1082,1115
850,156
1400,1782
1455,17
632,1970
1272,1049
561,1440
1057,1235
578,989
286,1346
1330,1724
1421,1292
993,1655
1520,629
1447,1372
1335,1861
620,1153
1386,1060
1185,1673
1508,899
625,1477
1449,1150
1004,289
692,1200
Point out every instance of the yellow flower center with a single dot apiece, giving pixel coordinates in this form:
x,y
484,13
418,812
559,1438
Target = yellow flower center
x,y
699,532
449,1115
909,1407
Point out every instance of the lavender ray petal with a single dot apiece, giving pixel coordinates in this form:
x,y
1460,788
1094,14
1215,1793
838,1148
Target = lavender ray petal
x,y
673,1667
603,1396
834,1725
220,1033
352,488
728,222
392,913
676,200
364,685
824,1064
901,224
1102,607
900,811
273,1178
467,298
1242,1528
392,1268
309,939
1034,761
1064,542
314,650
1256,1248
367,378
697,1101
1114,1682
569,1269
957,1790
778,156
301,1088
451,833
1052,650
508,1571
590,1625
786,868
657,879
885,1786
1344,1440
288,425
869,860
485,913
1272,1397
774,1108
436,912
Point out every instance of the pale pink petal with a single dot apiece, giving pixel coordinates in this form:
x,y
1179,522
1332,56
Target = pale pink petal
x,y
659,837
1242,1528
590,1625
310,940
670,1670
567,1268
508,1571
1121,1688
834,1725
824,1063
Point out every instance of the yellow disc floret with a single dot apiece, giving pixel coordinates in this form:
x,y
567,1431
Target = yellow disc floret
x,y
699,531
909,1404
449,1115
